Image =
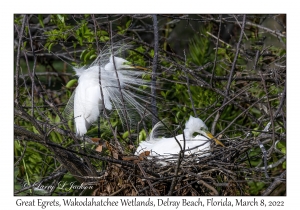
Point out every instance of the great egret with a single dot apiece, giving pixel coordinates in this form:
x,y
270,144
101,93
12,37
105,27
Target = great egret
x,y
165,147
119,84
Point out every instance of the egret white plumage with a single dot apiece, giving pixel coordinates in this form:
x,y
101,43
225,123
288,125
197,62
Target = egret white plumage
x,y
118,79
164,147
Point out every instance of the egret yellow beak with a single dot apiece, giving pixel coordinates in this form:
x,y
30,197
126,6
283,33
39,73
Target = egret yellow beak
x,y
129,65
139,67
209,135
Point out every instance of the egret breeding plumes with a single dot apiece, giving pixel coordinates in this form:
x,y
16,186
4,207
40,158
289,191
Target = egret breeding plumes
x,y
119,85
166,147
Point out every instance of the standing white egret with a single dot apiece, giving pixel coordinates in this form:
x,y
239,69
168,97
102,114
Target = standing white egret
x,y
164,147
119,84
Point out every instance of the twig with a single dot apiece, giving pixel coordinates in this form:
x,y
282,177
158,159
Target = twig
x,y
22,155
231,71
236,95
154,68
261,146
273,32
281,160
239,26
47,74
209,187
152,188
283,98
281,101
203,182
119,84
235,60
19,131
240,115
98,49
24,115
218,39
216,55
276,33
270,113
58,55
115,193
175,178
33,87
277,182
189,90
201,82
18,58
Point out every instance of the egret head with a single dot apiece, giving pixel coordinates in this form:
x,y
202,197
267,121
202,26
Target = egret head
x,y
120,64
196,125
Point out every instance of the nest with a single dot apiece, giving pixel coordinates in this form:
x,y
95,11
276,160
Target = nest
x,y
224,172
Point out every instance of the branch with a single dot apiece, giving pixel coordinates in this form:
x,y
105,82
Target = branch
x,y
235,59
189,89
277,182
151,186
231,73
216,54
18,58
154,68
270,111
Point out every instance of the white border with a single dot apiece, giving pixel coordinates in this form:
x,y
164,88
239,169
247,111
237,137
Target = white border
x,y
8,8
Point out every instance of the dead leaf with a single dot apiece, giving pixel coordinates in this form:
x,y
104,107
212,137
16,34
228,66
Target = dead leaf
x,y
144,154
108,188
120,182
115,154
133,192
95,139
99,148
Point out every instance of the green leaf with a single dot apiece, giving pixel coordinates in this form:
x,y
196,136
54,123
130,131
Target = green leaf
x,y
93,56
82,54
125,135
255,187
142,135
221,51
61,18
49,47
102,33
57,119
128,23
104,38
24,44
87,56
40,17
35,130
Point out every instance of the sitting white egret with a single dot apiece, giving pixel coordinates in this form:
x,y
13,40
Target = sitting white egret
x,y
165,147
118,79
